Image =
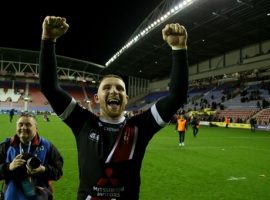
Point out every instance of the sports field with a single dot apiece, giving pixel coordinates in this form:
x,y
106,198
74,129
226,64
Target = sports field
x,y
220,164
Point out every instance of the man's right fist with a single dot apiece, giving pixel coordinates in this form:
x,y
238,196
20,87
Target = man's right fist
x,y
53,27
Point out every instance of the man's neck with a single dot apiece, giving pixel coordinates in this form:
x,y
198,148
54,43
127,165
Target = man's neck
x,y
115,120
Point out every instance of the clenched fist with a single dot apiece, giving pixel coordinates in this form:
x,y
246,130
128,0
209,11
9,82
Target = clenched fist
x,y
54,27
175,35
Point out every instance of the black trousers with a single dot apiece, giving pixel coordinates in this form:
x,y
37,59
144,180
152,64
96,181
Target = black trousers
x,y
181,136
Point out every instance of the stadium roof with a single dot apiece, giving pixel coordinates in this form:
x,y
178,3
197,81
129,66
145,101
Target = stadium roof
x,y
214,28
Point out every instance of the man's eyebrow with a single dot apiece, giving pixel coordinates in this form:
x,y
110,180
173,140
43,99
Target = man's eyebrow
x,y
106,85
118,85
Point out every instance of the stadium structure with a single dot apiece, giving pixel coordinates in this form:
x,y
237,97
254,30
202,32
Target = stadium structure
x,y
229,58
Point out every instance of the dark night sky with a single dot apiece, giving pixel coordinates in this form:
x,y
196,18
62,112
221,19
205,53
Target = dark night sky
x,y
97,30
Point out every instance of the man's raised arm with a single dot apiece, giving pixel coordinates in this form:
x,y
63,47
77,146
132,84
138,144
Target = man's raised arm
x,y
52,28
176,37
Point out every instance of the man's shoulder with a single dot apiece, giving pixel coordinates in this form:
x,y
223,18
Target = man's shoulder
x,y
44,141
5,141
4,145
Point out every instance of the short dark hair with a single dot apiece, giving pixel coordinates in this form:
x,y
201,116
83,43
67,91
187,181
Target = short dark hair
x,y
27,114
110,76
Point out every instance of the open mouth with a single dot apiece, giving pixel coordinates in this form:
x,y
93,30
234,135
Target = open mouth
x,y
113,103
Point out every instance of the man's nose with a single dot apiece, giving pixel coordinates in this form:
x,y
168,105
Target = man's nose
x,y
113,89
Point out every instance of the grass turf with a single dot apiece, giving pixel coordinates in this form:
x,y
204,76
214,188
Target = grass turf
x,y
219,164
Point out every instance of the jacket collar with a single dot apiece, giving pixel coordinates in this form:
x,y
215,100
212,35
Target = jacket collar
x,y
15,140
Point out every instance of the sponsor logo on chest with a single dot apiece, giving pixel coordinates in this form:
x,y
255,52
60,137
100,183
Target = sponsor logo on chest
x,y
93,135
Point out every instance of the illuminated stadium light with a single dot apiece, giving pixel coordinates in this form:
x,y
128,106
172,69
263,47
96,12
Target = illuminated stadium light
x,y
142,33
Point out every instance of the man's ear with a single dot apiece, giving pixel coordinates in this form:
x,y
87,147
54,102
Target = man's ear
x,y
96,98
127,98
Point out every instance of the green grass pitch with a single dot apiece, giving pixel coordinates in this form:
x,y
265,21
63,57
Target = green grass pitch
x,y
219,164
